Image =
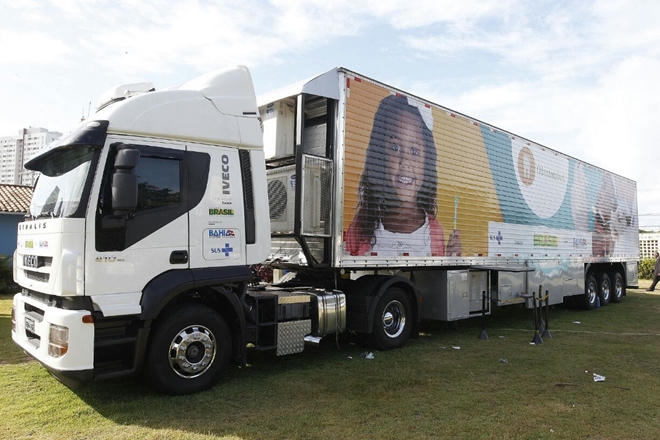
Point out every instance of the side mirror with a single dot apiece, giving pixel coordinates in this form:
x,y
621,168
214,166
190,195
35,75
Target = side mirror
x,y
124,181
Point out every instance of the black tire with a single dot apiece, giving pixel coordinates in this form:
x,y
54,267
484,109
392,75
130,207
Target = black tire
x,y
604,288
189,350
590,292
392,324
618,287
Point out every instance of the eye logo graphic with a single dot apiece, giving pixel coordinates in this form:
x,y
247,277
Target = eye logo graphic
x,y
526,166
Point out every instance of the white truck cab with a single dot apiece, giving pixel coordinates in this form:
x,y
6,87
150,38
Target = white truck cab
x,y
153,198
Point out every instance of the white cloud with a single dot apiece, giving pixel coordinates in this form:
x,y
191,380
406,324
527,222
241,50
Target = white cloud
x,y
624,25
562,41
73,9
148,36
315,21
619,128
414,14
30,47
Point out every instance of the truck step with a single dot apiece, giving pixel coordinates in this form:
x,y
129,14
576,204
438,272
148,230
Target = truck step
x,y
112,372
114,340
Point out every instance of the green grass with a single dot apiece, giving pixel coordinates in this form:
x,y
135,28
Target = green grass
x,y
500,388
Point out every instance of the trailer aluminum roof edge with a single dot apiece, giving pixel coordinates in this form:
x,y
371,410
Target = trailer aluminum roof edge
x,y
326,85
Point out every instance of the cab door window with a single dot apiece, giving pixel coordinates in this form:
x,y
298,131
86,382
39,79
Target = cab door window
x,y
160,176
159,183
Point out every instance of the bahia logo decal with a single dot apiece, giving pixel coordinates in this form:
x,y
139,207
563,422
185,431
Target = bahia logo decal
x,y
221,233
221,244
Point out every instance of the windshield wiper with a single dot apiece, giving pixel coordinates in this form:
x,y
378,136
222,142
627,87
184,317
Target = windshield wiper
x,y
43,214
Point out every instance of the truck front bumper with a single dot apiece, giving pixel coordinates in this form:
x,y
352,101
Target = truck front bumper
x,y
61,340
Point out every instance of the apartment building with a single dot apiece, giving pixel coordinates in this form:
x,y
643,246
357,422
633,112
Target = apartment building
x,y
16,150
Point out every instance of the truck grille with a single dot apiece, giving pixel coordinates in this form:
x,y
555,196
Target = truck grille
x,y
37,276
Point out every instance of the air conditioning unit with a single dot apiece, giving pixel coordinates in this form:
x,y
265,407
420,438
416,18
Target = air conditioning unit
x,y
278,119
282,198
316,202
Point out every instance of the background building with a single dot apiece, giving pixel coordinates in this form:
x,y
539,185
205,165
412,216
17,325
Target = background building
x,y
16,150
649,242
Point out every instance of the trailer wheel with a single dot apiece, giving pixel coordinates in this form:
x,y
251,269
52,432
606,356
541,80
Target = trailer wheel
x,y
189,351
618,287
604,288
392,320
590,292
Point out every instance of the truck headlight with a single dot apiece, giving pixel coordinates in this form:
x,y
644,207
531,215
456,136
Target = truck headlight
x,y
58,343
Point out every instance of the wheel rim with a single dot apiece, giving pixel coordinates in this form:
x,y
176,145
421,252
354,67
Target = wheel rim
x,y
192,351
592,291
618,287
605,290
394,319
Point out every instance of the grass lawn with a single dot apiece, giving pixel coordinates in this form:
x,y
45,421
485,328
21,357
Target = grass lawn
x,y
446,384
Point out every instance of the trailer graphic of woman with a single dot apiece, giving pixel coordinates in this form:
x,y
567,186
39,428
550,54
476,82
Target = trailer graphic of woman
x,y
398,187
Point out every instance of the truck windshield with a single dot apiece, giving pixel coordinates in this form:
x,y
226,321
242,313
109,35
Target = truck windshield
x,y
59,188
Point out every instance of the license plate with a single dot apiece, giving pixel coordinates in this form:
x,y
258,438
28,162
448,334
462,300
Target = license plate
x,y
29,324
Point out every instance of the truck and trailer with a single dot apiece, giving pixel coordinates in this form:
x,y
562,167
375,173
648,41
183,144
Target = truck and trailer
x,y
376,209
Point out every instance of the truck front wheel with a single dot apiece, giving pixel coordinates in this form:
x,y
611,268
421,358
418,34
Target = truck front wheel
x,y
392,320
189,350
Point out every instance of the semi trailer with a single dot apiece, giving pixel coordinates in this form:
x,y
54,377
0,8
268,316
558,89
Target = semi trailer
x,y
175,230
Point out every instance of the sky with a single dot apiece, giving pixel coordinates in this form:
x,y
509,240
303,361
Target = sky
x,y
581,77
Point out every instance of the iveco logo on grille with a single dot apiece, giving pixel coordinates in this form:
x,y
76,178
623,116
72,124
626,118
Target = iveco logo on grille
x,y
31,261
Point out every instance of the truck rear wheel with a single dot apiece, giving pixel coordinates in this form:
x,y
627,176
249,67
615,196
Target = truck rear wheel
x,y
604,288
618,288
590,292
392,320
189,350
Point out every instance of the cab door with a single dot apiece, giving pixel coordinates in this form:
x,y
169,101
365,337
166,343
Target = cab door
x,y
218,230
126,250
